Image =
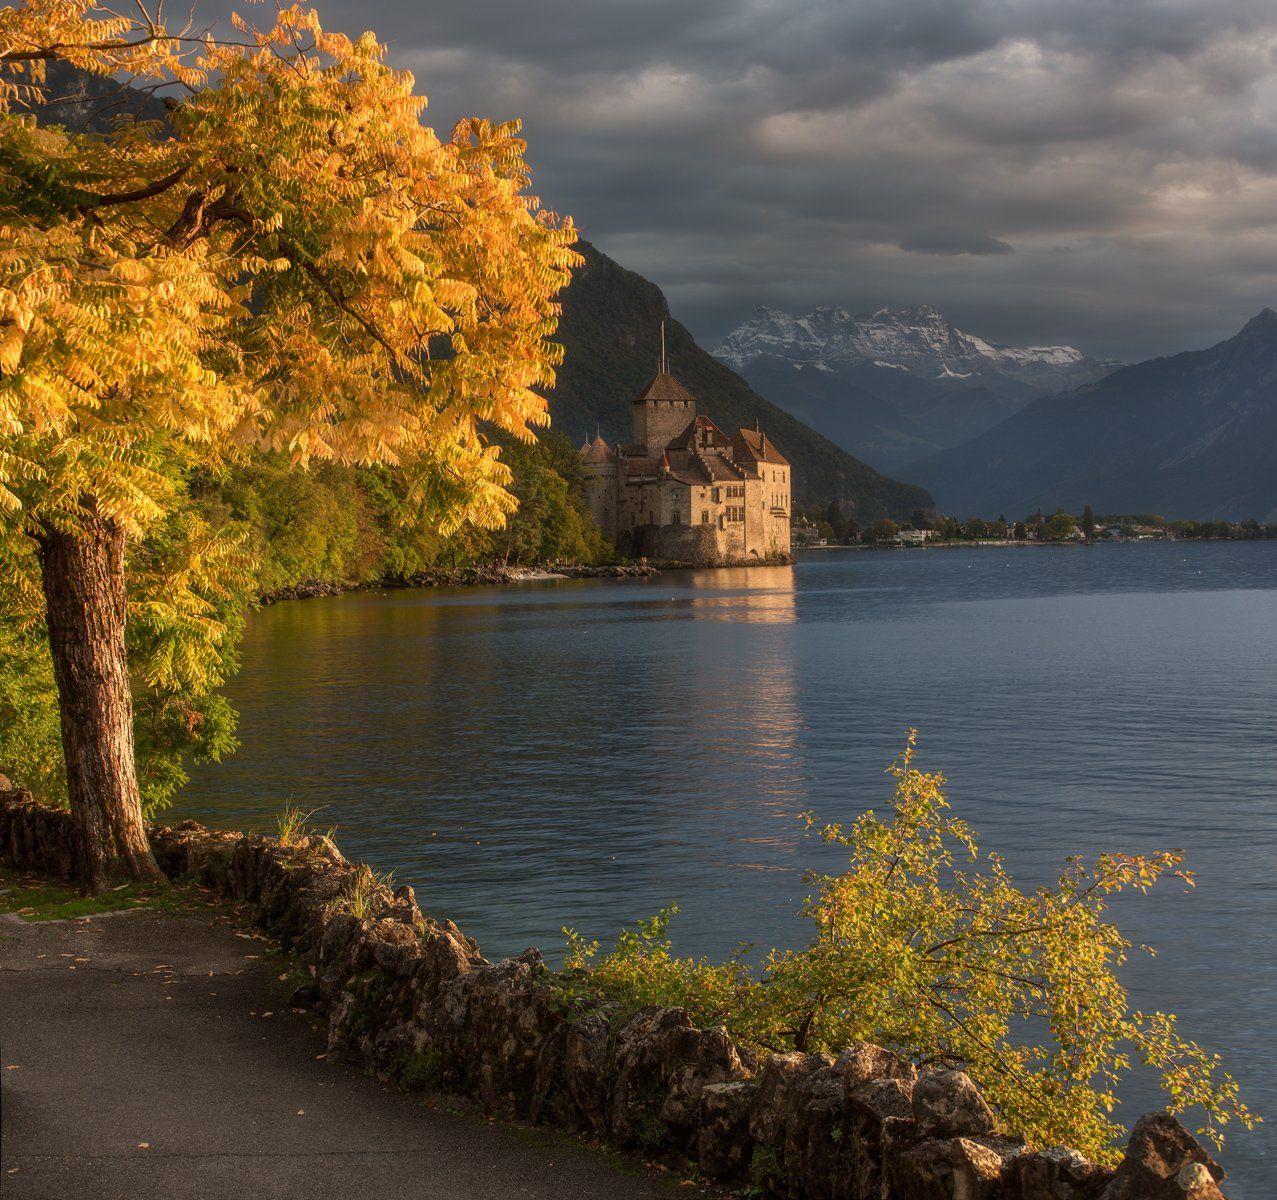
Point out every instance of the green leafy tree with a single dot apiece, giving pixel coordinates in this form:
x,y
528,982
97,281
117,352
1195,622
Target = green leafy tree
x,y
1059,527
1088,523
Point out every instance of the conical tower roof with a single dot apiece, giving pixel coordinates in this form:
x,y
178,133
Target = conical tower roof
x,y
597,451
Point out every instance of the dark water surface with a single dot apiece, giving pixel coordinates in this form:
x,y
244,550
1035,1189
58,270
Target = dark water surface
x,y
582,753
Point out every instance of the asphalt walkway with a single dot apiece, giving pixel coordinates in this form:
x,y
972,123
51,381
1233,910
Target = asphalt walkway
x,y
148,1056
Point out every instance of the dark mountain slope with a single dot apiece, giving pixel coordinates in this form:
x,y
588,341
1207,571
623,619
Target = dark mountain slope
x,y
1191,436
611,332
88,103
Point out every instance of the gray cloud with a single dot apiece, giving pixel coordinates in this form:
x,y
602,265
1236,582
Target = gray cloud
x,y
954,241
795,152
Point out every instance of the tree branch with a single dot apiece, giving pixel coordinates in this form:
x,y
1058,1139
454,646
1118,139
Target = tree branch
x,y
143,193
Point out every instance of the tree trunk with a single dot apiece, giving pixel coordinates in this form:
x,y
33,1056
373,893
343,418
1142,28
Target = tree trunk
x,y
83,575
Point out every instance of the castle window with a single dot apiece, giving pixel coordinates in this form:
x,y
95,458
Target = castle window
x,y
676,521
705,516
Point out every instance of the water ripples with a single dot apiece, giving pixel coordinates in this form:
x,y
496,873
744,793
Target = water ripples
x,y
584,753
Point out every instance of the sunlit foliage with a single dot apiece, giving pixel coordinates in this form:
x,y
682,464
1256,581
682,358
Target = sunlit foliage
x,y
926,945
301,264
293,265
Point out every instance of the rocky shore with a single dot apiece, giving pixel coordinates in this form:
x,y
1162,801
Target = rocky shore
x,y
437,577
410,997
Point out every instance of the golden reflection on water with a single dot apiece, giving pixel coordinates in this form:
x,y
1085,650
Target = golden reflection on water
x,y
747,682
764,595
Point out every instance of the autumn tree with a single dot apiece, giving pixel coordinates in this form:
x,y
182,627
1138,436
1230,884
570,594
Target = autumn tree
x,y
882,531
296,264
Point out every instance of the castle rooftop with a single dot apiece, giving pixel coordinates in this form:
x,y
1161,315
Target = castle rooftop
x,y
664,387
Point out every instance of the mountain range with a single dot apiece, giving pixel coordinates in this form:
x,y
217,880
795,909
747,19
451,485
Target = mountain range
x,y
895,385
1191,436
610,330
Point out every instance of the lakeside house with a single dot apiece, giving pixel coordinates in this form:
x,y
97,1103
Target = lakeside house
x,y
683,490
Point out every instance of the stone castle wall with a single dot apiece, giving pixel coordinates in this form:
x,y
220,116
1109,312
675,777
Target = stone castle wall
x,y
410,996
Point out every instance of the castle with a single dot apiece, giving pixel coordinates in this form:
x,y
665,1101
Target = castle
x,y
685,491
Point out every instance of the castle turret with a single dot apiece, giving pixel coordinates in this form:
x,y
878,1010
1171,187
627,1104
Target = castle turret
x,y
598,464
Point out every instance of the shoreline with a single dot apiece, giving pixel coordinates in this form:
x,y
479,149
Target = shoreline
x,y
497,576
441,577
407,997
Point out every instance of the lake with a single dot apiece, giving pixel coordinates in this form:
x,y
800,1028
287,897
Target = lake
x,y
582,753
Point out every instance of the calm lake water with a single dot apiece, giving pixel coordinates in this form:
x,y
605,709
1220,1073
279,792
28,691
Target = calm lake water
x,y
583,753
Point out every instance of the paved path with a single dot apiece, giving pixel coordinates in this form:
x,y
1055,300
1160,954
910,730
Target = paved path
x,y
139,1064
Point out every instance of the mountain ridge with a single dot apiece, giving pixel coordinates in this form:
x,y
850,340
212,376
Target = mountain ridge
x,y
1191,435
894,385
916,338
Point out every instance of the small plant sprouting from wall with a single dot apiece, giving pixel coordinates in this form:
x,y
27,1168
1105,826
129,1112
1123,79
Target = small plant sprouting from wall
x,y
293,827
365,890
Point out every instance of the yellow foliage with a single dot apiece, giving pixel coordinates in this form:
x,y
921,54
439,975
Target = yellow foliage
x,y
298,264
928,947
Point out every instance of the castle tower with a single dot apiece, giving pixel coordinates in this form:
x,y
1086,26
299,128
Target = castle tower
x,y
663,409
598,463
661,412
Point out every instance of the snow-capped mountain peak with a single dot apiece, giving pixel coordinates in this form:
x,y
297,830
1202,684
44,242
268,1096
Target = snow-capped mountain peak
x,y
917,339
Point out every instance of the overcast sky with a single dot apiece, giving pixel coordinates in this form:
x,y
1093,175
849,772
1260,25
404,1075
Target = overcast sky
x,y
1101,172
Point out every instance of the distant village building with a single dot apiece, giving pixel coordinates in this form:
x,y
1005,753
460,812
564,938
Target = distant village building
x,y
683,490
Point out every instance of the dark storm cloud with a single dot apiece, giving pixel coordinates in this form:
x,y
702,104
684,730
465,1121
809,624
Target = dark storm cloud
x,y
1096,171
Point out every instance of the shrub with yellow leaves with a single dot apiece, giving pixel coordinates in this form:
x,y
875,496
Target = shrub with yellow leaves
x,y
927,946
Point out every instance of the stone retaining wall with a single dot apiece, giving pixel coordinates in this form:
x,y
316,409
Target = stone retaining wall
x,y
411,997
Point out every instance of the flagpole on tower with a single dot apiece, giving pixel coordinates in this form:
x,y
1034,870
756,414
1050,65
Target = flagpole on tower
x,y
665,366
